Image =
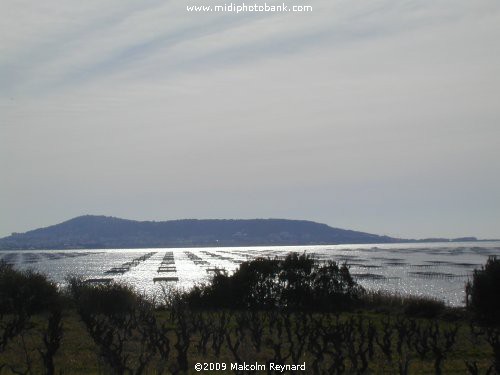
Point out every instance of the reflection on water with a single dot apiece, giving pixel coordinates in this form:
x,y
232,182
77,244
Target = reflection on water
x,y
438,269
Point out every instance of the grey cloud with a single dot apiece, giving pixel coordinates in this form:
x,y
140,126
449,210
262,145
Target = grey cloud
x,y
381,117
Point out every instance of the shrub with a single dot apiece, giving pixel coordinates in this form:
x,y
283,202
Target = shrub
x,y
415,306
482,294
297,282
107,299
423,307
25,292
333,288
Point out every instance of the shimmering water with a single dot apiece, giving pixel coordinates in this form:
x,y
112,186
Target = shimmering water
x,y
436,269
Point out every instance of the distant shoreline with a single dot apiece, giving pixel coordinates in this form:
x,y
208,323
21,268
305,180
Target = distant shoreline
x,y
375,245
104,232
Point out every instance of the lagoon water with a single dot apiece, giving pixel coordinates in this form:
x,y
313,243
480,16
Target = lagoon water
x,y
425,269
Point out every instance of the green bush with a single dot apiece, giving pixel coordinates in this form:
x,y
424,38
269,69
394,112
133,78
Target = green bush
x,y
483,293
423,307
25,292
297,282
414,306
107,299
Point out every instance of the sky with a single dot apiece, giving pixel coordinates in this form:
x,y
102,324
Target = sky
x,y
381,116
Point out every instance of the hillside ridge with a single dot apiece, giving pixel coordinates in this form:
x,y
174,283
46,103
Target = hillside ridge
x,y
92,231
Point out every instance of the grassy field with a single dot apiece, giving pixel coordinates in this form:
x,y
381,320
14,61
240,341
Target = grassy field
x,y
358,342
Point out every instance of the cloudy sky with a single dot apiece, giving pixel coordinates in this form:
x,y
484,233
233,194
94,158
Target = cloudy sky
x,y
380,115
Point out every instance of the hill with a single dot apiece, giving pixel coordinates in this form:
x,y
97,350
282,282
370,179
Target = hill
x,y
109,232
